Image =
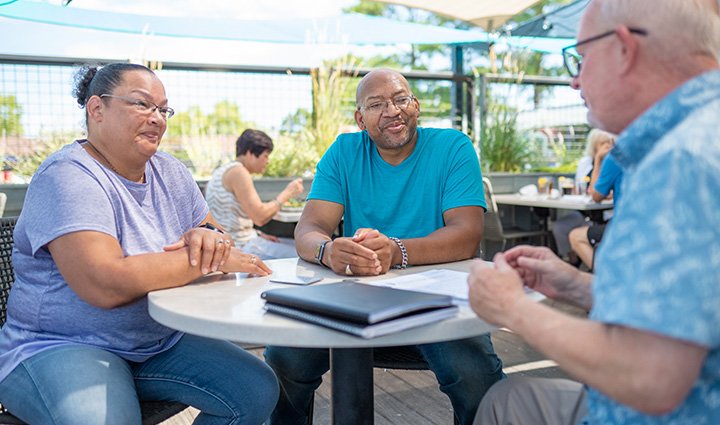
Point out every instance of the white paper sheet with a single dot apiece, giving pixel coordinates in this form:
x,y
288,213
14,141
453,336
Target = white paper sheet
x,y
436,281
440,281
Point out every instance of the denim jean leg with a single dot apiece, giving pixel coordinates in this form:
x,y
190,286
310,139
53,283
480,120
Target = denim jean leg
x,y
72,384
299,371
465,370
227,384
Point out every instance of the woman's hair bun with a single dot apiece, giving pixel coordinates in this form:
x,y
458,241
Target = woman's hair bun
x,y
83,78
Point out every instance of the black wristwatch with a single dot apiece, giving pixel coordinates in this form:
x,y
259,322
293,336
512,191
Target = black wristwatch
x,y
319,251
209,225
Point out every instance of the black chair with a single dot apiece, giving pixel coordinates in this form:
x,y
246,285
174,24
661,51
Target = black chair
x,y
494,230
153,412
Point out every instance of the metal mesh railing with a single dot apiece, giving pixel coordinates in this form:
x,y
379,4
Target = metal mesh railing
x,y
215,103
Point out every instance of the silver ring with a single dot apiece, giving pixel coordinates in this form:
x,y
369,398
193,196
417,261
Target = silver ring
x,y
348,270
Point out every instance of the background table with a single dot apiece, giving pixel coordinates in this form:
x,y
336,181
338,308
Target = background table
x,y
562,203
542,205
288,216
229,307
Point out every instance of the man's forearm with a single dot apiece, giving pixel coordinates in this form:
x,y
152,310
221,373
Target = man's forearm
x,y
608,357
457,240
580,292
442,246
307,239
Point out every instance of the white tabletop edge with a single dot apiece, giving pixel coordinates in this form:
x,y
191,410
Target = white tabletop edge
x,y
542,201
229,307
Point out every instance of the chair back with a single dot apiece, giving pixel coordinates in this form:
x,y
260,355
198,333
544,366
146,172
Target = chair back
x,y
493,230
7,274
7,278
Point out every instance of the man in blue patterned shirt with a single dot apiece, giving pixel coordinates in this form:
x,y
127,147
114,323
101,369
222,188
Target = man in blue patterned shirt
x,y
650,351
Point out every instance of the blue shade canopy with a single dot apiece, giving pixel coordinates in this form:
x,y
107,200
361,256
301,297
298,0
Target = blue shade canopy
x,y
562,22
344,29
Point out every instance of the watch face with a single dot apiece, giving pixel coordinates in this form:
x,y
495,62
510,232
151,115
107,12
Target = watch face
x,y
319,251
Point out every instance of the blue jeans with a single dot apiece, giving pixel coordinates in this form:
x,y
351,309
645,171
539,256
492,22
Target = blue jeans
x,y
77,384
465,370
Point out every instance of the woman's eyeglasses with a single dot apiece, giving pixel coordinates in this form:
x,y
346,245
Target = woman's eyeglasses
x,y
144,106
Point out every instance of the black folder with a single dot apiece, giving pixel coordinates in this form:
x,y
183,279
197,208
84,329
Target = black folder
x,y
359,309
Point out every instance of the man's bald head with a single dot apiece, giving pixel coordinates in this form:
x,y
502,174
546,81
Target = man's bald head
x,y
376,75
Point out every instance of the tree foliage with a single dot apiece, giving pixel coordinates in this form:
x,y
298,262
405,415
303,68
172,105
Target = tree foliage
x,y
201,140
49,144
10,115
502,146
333,87
224,119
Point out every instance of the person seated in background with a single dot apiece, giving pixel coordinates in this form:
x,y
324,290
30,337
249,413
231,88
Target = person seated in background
x,y
596,140
650,351
236,205
605,183
105,221
408,195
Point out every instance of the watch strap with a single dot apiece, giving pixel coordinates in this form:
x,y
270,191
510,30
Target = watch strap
x,y
210,226
321,251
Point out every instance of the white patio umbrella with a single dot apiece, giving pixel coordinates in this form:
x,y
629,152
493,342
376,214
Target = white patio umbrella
x,y
487,14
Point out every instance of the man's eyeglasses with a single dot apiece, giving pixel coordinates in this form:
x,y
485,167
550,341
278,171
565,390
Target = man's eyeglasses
x,y
144,106
376,107
573,60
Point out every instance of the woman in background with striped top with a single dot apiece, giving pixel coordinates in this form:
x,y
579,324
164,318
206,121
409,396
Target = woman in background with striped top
x,y
236,205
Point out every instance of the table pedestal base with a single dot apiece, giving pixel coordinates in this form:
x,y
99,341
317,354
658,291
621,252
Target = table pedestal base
x,y
352,386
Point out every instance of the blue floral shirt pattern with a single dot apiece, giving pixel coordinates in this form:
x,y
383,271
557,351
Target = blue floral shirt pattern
x,y
658,268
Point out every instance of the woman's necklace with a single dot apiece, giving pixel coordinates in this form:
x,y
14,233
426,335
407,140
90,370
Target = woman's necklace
x,y
142,180
107,161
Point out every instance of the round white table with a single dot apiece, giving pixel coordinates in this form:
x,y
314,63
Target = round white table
x,y
229,307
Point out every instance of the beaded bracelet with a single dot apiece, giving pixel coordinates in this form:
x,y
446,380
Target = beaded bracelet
x,y
403,252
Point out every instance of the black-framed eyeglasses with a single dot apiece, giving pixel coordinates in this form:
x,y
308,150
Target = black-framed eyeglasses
x,y
573,60
378,106
144,106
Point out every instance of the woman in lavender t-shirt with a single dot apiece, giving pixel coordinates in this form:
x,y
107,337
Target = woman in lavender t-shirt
x,y
106,220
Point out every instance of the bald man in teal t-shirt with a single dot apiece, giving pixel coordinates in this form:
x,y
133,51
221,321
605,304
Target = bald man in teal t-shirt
x,y
406,195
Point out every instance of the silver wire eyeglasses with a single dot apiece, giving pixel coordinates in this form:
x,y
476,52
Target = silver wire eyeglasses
x,y
144,106
573,60
400,102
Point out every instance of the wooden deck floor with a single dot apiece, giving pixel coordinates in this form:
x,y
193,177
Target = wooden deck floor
x,y
408,397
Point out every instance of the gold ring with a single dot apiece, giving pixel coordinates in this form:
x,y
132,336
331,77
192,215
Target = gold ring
x,y
348,270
